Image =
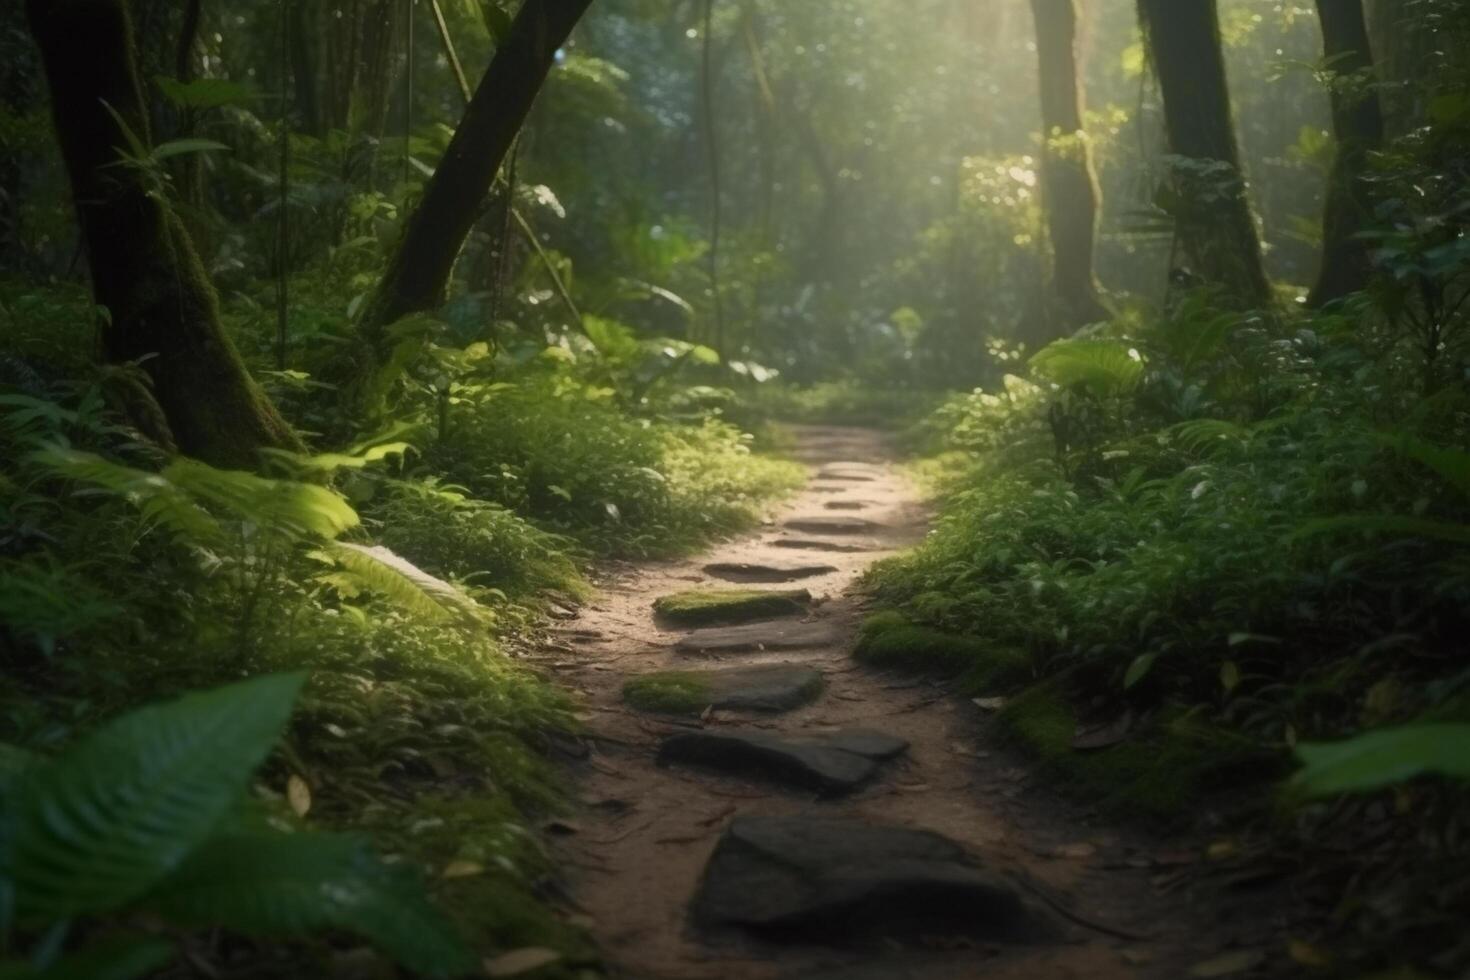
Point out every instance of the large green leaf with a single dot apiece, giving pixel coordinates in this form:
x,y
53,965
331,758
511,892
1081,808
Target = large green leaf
x,y
126,805
118,959
290,884
1382,758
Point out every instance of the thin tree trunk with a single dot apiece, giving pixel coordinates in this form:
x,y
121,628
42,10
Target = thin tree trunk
x,y
419,271
1216,229
375,88
1357,119
161,308
305,47
1069,183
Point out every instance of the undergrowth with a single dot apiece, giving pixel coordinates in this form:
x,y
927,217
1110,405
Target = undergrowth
x,y
1189,543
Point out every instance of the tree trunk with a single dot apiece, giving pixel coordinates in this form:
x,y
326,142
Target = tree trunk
x,y
418,274
305,49
1209,201
161,308
1400,44
376,78
1070,190
1357,119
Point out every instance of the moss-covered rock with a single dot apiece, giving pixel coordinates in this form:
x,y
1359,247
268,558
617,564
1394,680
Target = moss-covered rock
x,y
708,607
888,639
669,693
767,687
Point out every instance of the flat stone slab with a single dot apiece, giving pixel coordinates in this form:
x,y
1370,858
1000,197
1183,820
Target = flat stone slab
x,y
847,476
832,524
829,764
771,688
809,544
708,607
777,635
753,572
849,883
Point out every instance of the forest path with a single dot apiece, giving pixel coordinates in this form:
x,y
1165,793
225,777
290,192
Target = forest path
x,y
782,844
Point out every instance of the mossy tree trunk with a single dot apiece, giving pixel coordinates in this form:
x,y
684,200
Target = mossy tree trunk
x,y
1208,198
1070,189
160,306
419,271
1357,120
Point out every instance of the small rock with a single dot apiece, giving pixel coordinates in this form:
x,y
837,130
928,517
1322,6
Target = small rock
x,y
808,544
778,635
750,572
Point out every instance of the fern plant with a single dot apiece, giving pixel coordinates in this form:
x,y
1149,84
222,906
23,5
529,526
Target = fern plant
x,y
148,815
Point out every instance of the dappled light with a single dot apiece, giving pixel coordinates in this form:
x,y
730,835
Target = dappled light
x,y
734,489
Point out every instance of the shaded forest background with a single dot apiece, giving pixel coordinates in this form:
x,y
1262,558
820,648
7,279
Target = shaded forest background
x,y
350,337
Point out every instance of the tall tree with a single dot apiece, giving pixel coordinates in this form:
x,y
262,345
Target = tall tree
x,y
418,274
161,309
1069,184
1357,119
1211,208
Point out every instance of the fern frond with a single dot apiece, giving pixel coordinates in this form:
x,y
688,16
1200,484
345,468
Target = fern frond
x,y
1106,367
158,498
123,808
301,509
405,583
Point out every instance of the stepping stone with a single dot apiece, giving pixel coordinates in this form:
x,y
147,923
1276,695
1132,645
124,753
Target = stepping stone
x,y
779,635
829,764
703,607
846,476
848,883
832,524
808,544
776,687
752,572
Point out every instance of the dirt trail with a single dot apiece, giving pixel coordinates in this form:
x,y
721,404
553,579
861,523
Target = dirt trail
x,y
637,852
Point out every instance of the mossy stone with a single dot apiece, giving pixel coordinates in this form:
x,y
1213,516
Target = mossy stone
x,y
669,693
708,607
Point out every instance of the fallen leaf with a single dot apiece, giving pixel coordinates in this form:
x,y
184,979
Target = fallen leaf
x,y
1103,736
1079,850
1308,955
298,794
462,869
519,961
989,704
1230,964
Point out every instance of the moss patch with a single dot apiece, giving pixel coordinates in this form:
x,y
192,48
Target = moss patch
x,y
889,640
1160,770
669,693
707,607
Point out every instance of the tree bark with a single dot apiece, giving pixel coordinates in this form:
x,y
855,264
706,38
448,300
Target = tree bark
x,y
419,271
1216,229
161,308
1070,189
1400,45
1357,119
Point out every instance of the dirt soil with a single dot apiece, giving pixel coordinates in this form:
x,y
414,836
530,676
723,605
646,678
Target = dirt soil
x,y
637,849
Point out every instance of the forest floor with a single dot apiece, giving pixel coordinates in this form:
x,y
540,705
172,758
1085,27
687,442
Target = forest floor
x,y
746,824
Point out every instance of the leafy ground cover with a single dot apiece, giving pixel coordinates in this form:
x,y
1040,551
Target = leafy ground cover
x,y
403,575
1184,549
